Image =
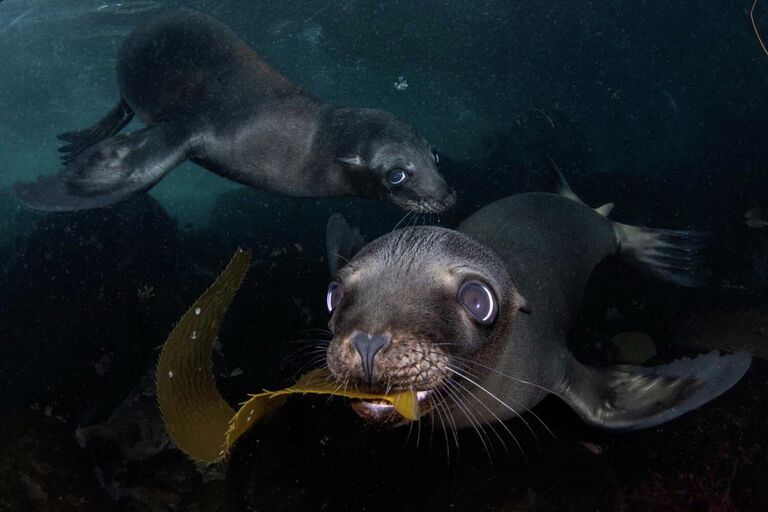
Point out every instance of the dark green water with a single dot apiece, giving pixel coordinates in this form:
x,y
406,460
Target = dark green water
x,y
659,107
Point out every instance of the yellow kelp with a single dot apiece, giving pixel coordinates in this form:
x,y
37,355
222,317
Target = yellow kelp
x,y
196,416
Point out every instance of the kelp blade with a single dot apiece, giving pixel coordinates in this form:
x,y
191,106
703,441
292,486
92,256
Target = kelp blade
x,y
195,414
315,382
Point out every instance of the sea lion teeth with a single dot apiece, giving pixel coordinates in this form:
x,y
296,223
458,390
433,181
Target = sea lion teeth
x,y
420,396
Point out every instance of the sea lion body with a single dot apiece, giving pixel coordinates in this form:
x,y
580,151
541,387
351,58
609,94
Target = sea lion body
x,y
550,245
404,317
245,115
205,95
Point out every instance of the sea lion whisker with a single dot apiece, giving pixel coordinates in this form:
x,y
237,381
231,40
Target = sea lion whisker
x,y
437,411
455,371
452,392
407,214
307,350
517,380
441,405
304,360
325,335
502,374
311,364
410,431
309,340
311,357
340,383
418,431
431,427
499,420
316,329
461,389
474,423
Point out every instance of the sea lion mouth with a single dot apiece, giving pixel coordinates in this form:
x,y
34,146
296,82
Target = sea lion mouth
x,y
426,205
381,412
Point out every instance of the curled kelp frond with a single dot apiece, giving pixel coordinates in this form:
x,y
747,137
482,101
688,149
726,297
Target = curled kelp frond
x,y
195,414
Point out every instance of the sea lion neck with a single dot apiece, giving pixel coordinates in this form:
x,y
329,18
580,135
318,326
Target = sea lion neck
x,y
345,133
348,132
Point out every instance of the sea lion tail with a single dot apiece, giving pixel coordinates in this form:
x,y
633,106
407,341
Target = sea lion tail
x,y
626,397
110,171
109,125
342,242
672,255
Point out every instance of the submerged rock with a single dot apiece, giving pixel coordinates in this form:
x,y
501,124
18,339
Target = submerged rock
x,y
139,464
84,302
43,469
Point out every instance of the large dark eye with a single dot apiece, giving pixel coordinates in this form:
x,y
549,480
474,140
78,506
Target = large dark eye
x,y
333,295
396,176
437,157
479,301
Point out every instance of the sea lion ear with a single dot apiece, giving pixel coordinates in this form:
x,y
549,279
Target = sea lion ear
x,y
354,161
342,242
521,304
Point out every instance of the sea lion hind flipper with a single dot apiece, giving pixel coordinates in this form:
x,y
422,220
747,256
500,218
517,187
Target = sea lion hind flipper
x,y
342,242
109,171
109,125
672,255
626,397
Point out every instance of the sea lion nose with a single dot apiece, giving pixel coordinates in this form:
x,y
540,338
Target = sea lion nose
x,y
368,346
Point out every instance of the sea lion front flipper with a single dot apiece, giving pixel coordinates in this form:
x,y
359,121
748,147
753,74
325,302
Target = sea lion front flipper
x,y
110,171
342,242
109,125
626,397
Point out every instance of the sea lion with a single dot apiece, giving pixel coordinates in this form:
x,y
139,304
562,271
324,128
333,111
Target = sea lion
x,y
438,311
204,95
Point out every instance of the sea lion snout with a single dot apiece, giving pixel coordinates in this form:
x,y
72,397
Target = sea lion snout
x,y
367,347
427,192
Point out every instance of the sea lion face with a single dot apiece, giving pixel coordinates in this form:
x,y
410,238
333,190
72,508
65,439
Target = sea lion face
x,y
407,171
390,159
409,311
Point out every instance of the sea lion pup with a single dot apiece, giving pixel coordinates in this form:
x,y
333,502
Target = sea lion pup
x,y
439,311
204,95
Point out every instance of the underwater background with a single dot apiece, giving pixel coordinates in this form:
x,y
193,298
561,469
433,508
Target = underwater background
x,y
659,107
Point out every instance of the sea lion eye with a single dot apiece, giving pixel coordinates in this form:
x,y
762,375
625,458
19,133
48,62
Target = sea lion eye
x,y
479,301
396,176
333,295
437,157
